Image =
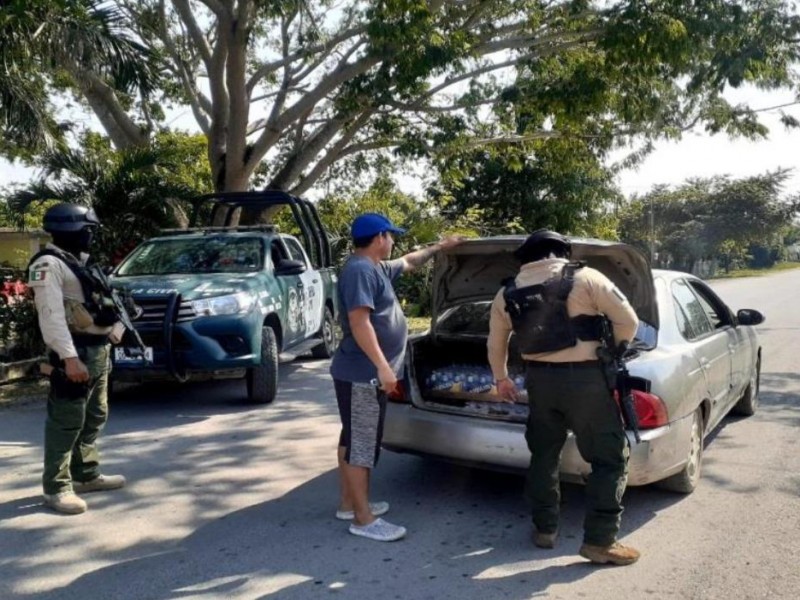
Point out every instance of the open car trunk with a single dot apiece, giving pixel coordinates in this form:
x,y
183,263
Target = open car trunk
x,y
450,373
448,368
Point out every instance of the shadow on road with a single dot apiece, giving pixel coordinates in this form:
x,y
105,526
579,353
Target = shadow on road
x,y
469,538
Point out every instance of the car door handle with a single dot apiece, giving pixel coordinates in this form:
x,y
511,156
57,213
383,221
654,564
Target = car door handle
x,y
300,284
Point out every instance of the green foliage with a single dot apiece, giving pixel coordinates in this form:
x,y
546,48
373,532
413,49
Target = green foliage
x,y
135,192
284,90
718,218
560,184
42,40
423,226
19,328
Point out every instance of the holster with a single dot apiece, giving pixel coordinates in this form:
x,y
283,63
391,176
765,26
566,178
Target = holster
x,y
608,364
61,384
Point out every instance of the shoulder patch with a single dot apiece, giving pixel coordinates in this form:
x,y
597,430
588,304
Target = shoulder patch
x,y
37,274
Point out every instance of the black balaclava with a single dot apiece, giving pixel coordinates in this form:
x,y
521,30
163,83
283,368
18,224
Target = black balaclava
x,y
74,242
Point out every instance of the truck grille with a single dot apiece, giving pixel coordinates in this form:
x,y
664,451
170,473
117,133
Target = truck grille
x,y
154,311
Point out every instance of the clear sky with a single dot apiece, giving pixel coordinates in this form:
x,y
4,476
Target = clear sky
x,y
696,155
701,155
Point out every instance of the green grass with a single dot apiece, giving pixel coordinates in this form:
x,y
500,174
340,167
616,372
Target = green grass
x,y
418,324
781,266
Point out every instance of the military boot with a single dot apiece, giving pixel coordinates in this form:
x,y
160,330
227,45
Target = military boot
x,y
545,540
616,554
65,502
99,484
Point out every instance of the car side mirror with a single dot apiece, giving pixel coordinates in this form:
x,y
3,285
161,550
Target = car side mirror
x,y
748,316
287,266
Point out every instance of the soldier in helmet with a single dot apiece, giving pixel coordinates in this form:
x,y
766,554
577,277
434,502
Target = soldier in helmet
x,y
77,326
553,307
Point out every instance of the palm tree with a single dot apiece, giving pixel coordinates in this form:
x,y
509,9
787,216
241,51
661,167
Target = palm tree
x,y
43,40
131,191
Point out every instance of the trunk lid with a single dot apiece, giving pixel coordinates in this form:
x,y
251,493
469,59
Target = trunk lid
x,y
474,270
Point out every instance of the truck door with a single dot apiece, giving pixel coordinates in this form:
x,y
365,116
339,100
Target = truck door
x,y
291,304
314,298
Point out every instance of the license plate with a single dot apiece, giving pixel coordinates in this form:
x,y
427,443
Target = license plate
x,y
132,355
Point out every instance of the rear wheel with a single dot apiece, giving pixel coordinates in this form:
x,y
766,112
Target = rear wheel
x,y
748,403
686,480
330,337
262,380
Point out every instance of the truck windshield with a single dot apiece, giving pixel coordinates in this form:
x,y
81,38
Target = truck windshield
x,y
217,254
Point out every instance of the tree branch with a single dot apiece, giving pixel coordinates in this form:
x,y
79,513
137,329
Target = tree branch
x,y
288,59
122,130
198,38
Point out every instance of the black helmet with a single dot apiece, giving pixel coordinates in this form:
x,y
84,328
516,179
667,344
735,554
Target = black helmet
x,y
540,243
69,218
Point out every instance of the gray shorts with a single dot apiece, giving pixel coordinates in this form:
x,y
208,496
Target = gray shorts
x,y
362,408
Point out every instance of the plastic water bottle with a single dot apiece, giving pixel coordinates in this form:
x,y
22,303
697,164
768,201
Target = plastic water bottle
x,y
444,381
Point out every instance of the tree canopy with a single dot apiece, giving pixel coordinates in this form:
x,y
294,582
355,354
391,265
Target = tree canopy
x,y
298,87
720,217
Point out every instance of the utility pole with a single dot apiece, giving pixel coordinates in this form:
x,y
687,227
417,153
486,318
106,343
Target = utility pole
x,y
652,234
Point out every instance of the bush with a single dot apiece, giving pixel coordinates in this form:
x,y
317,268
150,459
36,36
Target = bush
x,y
19,328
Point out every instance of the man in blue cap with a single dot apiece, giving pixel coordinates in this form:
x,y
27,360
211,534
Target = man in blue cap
x,y
368,362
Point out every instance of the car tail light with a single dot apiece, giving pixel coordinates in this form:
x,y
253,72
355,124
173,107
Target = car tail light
x,y
398,394
650,409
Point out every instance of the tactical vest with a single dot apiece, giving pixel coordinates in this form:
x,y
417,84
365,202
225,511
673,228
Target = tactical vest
x,y
539,314
96,290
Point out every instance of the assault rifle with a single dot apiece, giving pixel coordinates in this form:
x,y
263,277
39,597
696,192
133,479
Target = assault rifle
x,y
612,359
121,307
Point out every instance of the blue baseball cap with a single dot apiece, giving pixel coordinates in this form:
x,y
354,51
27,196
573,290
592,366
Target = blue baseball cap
x,y
371,224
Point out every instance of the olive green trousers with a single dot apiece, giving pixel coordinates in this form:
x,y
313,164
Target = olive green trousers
x,y
73,425
575,398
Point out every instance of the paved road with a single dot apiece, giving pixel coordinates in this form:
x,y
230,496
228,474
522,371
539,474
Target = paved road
x,y
230,501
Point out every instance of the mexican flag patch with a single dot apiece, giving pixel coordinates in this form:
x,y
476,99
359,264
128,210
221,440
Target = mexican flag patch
x,y
38,275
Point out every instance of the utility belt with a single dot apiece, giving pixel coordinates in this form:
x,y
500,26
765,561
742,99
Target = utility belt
x,y
583,364
85,340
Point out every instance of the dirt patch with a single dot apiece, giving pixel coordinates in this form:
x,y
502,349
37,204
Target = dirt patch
x,y
23,392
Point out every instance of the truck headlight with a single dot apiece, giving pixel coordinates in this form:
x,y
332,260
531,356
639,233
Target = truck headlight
x,y
232,304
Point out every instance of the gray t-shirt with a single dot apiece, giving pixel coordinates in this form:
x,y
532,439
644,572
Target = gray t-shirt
x,y
364,283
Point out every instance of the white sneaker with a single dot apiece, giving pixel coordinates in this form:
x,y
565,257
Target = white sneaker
x,y
379,530
376,508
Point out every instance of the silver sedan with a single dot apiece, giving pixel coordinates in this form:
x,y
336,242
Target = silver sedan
x,y
696,361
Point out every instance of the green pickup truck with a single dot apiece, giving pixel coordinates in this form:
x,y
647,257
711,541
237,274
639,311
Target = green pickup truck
x,y
225,301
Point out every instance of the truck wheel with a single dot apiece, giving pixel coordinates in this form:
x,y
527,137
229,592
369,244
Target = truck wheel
x,y
262,381
330,337
686,480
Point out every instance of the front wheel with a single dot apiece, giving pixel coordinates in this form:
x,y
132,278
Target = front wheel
x,y
686,480
262,380
748,403
330,337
